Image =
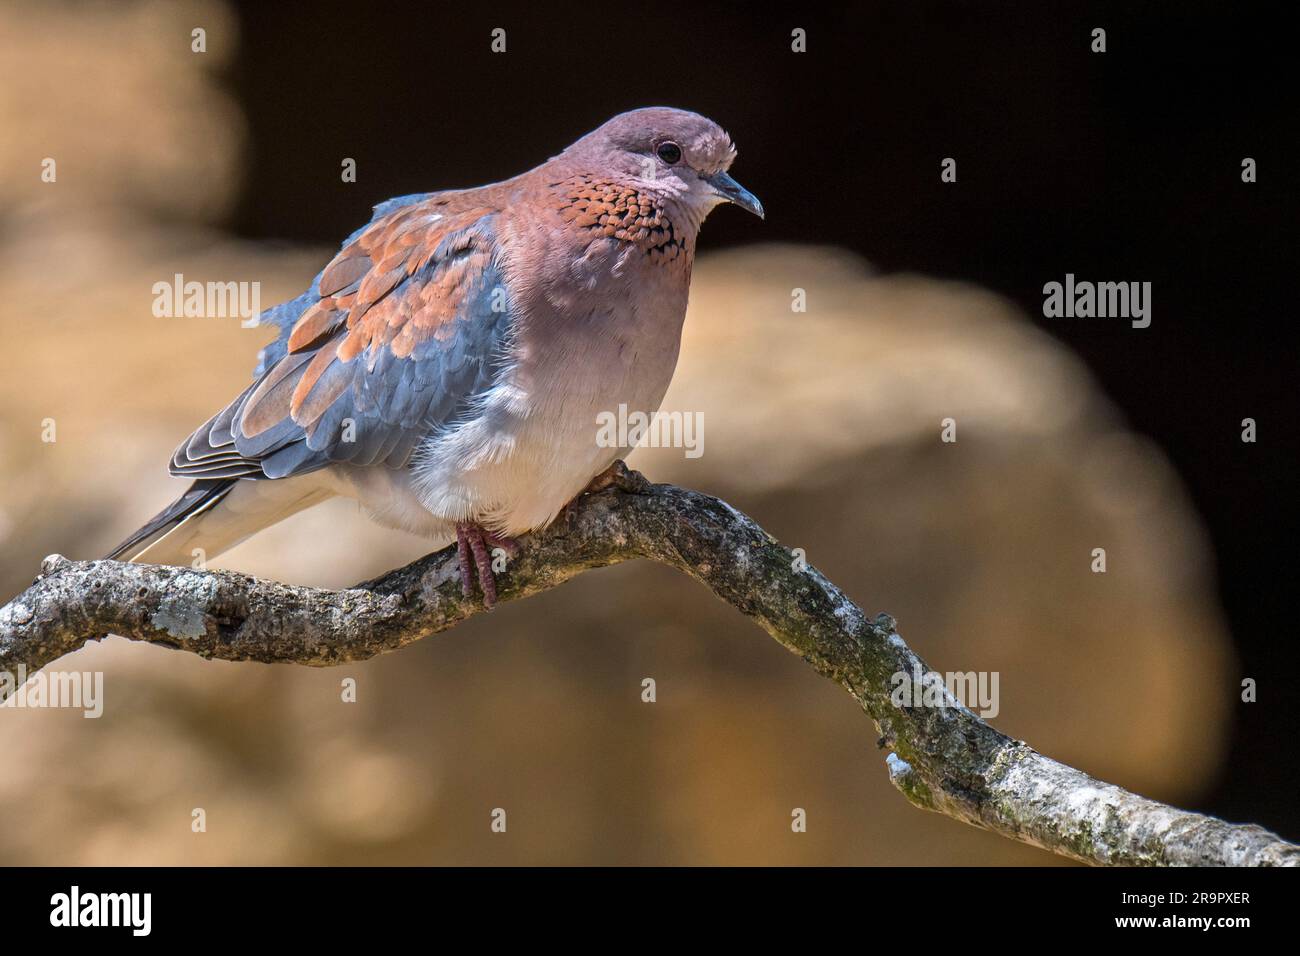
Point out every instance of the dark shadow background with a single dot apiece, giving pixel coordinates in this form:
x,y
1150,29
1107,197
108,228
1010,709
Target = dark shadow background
x,y
1118,166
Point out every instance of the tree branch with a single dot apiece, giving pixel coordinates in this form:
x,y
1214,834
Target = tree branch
x,y
943,758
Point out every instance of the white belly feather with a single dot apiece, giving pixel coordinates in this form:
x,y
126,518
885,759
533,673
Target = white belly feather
x,y
532,445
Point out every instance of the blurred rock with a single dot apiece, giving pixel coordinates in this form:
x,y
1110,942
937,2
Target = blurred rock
x,y
113,93
824,425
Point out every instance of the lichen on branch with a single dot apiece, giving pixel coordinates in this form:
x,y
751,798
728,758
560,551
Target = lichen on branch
x,y
944,759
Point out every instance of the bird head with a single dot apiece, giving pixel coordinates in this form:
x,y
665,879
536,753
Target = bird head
x,y
678,156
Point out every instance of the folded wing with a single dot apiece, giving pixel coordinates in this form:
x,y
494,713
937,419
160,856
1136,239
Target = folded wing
x,y
399,335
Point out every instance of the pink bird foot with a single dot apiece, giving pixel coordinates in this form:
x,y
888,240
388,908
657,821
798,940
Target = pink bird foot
x,y
474,545
617,475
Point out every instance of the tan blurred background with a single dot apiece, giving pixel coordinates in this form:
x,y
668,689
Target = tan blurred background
x,y
823,425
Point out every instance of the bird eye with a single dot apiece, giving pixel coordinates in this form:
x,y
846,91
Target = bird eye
x,y
670,153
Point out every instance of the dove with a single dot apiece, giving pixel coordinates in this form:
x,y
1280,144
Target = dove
x,y
447,369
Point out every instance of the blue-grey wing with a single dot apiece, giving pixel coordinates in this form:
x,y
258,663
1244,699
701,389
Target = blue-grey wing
x,y
401,333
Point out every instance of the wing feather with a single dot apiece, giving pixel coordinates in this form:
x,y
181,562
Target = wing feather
x,y
398,335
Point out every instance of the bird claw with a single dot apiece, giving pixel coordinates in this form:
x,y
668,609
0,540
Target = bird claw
x,y
619,476
473,543
509,545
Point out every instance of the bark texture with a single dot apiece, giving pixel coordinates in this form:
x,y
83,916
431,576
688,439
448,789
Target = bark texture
x,y
944,758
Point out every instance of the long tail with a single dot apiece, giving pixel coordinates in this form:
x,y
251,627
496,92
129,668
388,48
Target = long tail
x,y
214,515
201,496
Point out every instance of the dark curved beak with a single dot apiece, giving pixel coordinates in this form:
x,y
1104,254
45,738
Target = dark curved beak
x,y
733,192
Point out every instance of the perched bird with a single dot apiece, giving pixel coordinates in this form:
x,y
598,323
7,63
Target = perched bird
x,y
447,368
